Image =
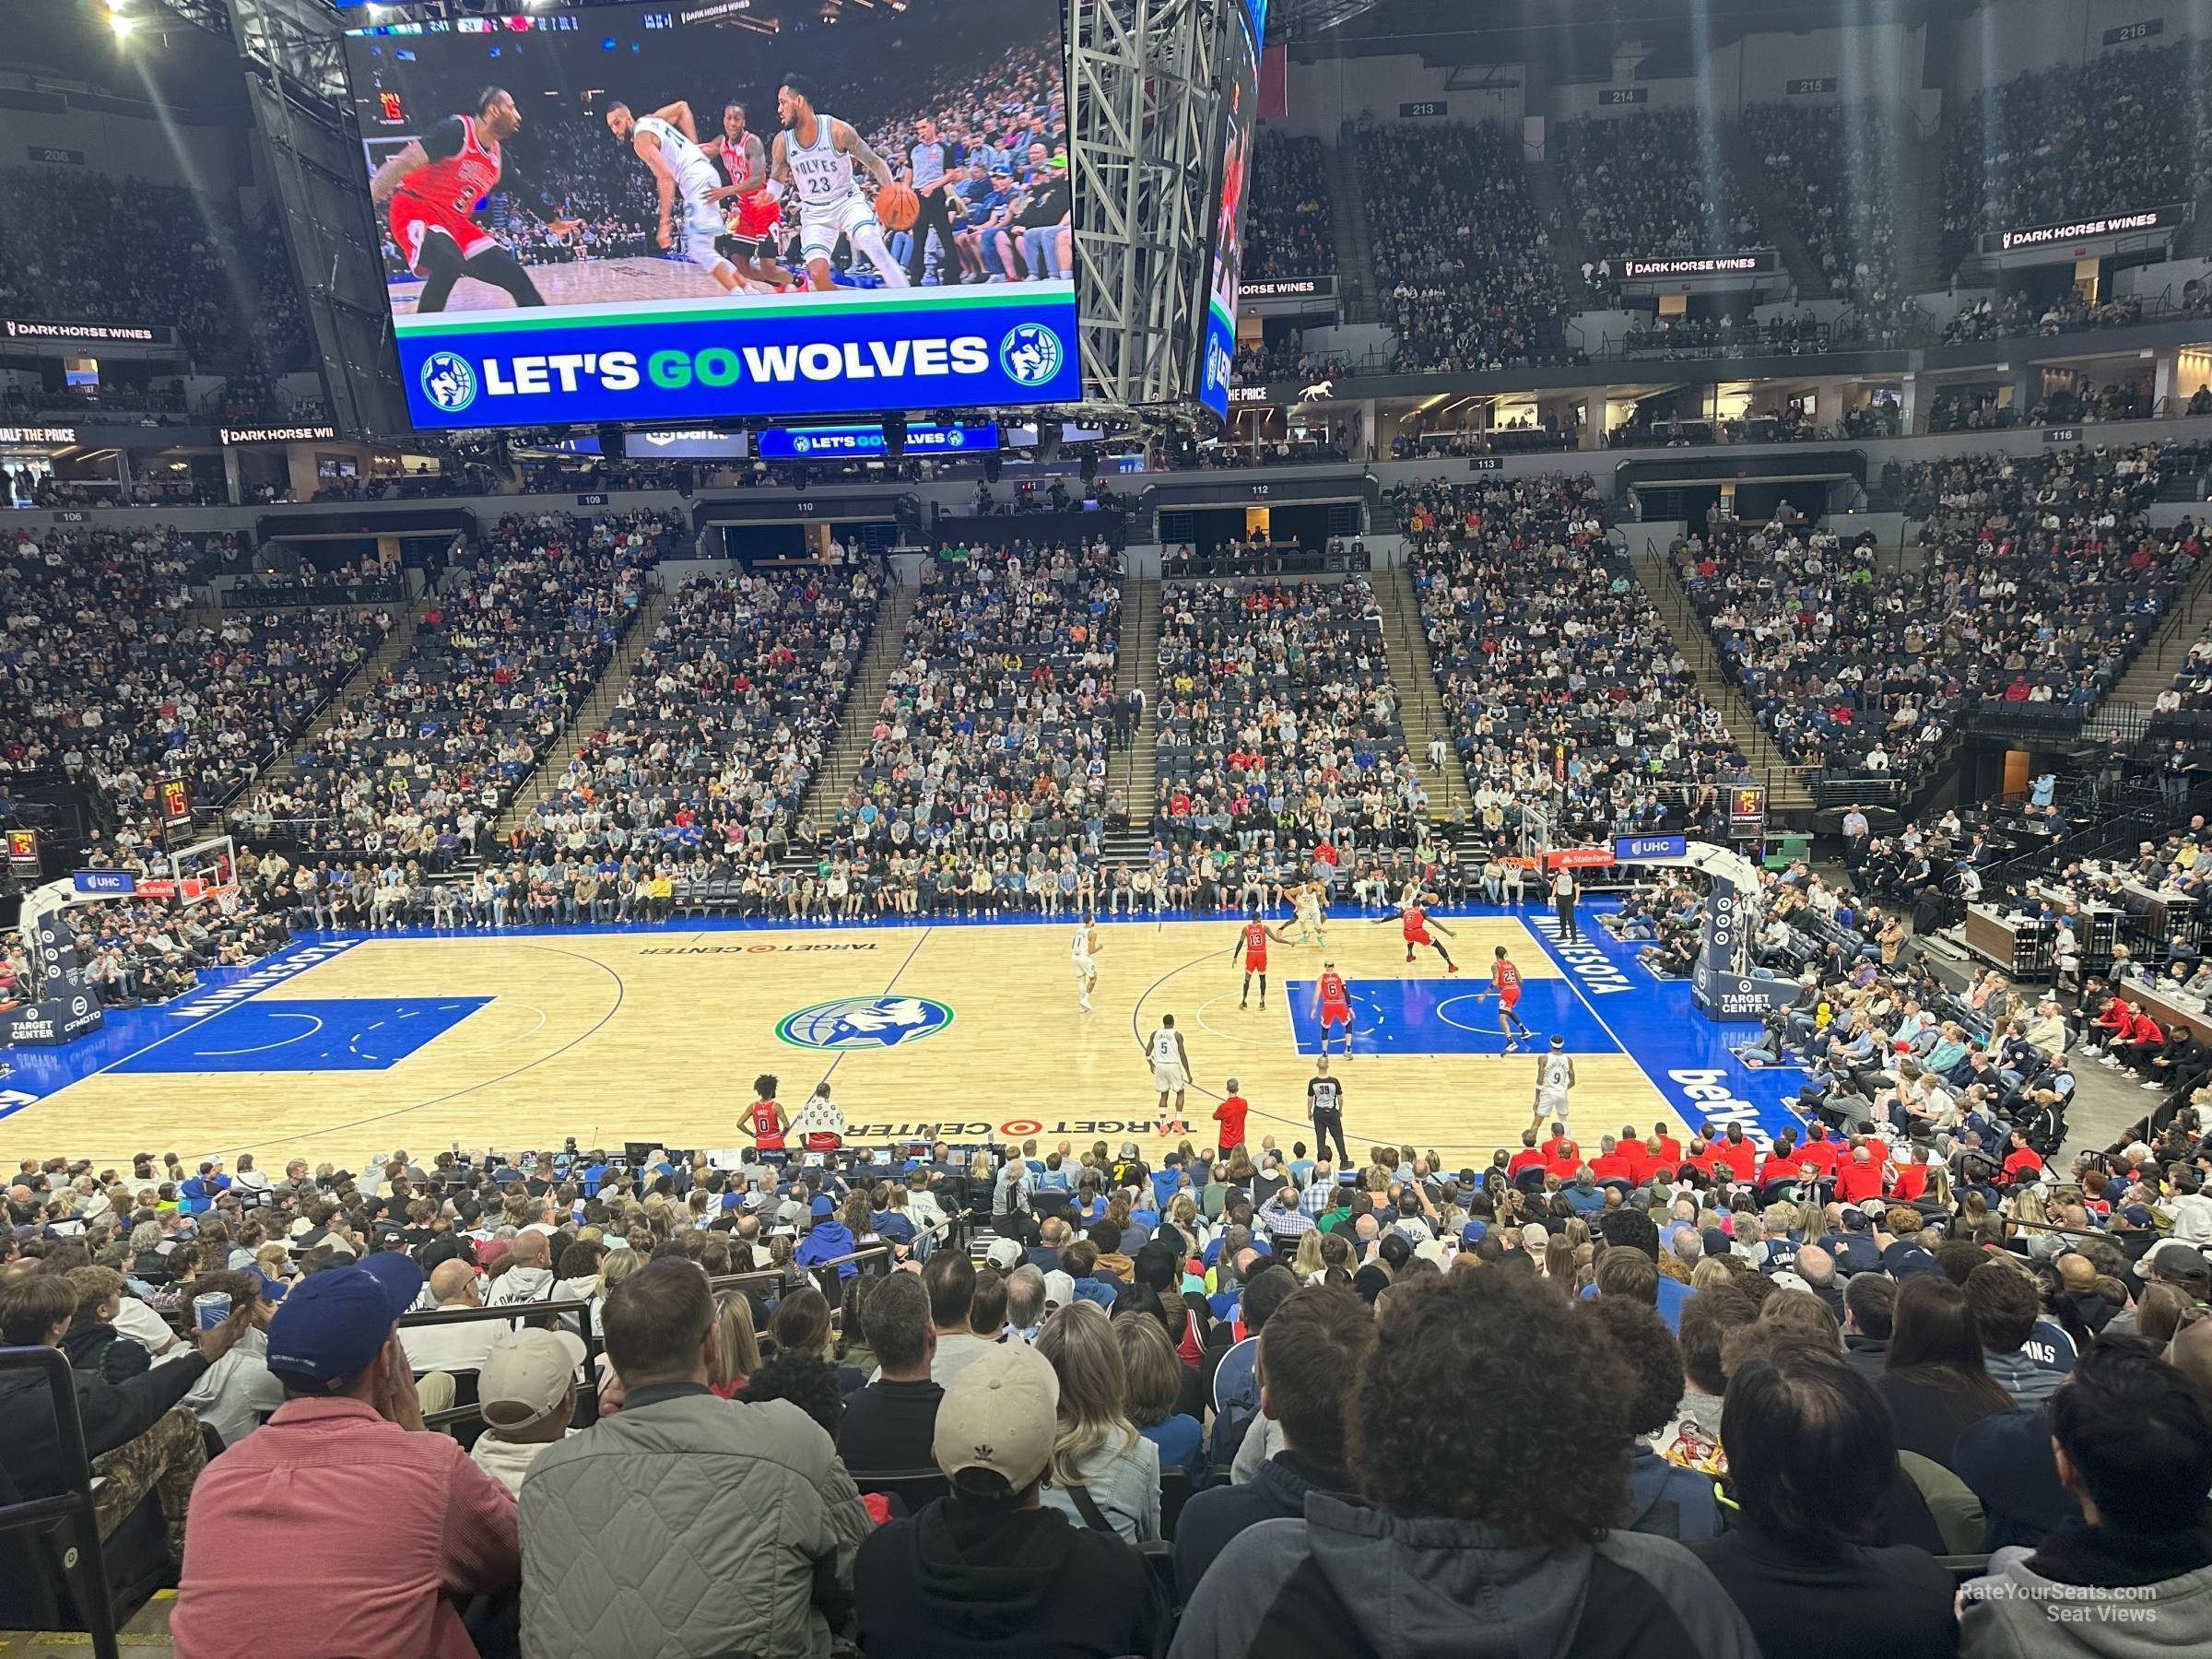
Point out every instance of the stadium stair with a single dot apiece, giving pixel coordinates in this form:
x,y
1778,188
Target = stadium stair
x,y
1356,299
1918,208
591,718
2194,238
2122,710
1420,710
404,624
1548,194
887,647
1777,225
1787,791
1137,663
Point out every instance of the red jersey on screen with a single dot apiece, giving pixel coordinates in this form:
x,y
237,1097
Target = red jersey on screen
x,y
767,1134
737,164
758,215
1333,999
1255,947
458,182
440,195
1413,922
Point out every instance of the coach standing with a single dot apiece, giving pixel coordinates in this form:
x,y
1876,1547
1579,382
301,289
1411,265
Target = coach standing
x,y
928,162
1564,892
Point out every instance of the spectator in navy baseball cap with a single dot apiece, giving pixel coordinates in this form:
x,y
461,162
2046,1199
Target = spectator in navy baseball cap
x,y
328,1329
349,1441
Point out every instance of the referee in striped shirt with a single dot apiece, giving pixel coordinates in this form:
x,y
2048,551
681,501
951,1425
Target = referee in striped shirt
x,y
929,163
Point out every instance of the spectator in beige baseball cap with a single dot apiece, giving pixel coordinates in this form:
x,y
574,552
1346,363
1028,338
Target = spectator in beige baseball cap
x,y
527,1391
985,1569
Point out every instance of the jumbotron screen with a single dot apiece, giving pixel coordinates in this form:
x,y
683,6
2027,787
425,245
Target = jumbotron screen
x,y
735,207
1237,120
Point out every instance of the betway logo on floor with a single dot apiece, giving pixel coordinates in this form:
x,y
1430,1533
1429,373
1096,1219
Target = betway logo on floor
x,y
1591,967
1704,1097
287,964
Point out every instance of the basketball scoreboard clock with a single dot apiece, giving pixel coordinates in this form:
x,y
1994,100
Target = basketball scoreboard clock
x,y
1746,812
176,803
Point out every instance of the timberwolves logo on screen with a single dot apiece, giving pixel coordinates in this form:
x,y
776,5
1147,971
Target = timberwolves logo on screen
x,y
1029,354
1217,365
448,382
864,1022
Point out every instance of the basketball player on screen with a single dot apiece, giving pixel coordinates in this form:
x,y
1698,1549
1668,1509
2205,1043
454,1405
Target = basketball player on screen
x,y
812,157
434,184
667,142
750,240
1251,938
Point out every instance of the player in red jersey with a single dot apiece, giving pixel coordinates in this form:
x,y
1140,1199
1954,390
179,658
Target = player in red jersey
x,y
750,244
1413,922
1252,940
765,1117
1332,1004
434,184
1505,979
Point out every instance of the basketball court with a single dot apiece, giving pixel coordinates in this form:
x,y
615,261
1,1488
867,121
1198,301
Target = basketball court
x,y
343,1047
580,282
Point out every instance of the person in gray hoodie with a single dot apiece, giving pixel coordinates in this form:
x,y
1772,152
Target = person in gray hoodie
x,y
1477,1532
2133,1578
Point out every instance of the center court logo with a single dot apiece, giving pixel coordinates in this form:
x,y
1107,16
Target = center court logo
x,y
1030,354
864,1022
448,382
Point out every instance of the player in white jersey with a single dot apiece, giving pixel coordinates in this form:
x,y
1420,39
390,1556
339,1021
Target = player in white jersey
x,y
1312,918
667,142
1555,1078
813,159
1170,1073
1083,948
